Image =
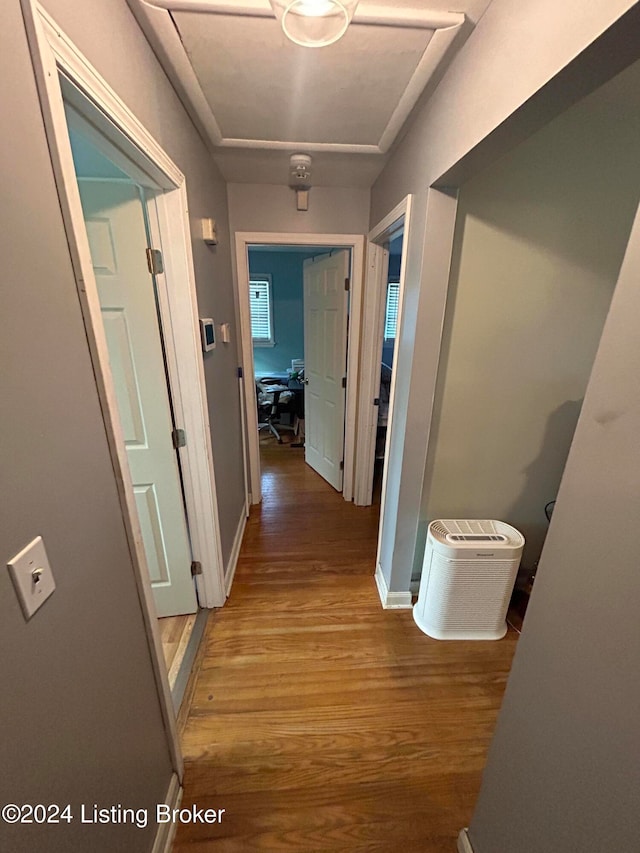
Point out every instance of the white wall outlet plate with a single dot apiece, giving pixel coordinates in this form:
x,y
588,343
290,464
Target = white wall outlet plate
x,y
32,577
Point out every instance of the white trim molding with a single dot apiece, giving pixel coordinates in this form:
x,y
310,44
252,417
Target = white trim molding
x,y
463,843
235,552
355,242
373,306
186,373
166,832
97,90
391,600
154,17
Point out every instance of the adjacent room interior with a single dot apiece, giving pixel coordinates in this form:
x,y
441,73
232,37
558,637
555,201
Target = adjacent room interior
x,y
299,311
276,300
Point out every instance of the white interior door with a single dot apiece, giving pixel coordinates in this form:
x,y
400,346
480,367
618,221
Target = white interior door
x,y
115,222
325,363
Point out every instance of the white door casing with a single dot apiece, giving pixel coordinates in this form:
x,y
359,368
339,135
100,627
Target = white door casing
x,y
355,244
114,219
373,323
325,357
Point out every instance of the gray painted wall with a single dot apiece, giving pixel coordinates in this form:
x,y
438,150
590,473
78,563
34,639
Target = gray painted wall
x,y
563,771
540,238
126,61
267,207
487,82
80,713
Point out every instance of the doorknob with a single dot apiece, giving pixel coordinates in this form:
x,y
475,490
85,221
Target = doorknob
x,y
306,381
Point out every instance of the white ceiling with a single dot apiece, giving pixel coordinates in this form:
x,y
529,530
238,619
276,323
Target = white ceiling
x,y
260,97
295,93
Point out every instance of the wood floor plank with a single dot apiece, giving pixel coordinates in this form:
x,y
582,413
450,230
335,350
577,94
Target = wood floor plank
x,y
174,634
319,721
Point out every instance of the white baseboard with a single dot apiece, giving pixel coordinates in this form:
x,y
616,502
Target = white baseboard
x,y
464,845
166,831
235,552
391,600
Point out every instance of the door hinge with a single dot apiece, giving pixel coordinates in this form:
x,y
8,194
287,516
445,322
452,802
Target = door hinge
x,y
196,568
344,381
347,284
154,261
342,465
240,373
376,401
178,438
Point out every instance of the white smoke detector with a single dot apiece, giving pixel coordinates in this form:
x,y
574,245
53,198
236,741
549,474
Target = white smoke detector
x,y
300,171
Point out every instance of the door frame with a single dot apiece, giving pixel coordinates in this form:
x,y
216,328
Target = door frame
x,y
52,54
372,340
355,242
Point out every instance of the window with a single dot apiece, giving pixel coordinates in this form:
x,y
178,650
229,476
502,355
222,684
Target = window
x,y
261,305
391,314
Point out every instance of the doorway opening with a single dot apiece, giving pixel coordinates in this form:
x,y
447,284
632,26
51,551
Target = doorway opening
x,y
388,334
118,206
299,307
382,322
300,299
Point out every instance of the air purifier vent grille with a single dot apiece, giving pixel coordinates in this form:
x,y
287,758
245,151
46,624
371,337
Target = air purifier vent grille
x,y
475,537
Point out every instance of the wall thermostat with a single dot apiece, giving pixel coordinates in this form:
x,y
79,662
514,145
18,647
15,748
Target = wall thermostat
x,y
207,334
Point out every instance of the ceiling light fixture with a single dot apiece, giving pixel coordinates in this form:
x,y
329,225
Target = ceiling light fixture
x,y
314,23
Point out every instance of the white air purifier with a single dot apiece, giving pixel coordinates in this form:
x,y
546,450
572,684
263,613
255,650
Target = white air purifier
x,y
468,574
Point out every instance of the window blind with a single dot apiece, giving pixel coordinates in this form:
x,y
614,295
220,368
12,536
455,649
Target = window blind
x,y
391,314
261,310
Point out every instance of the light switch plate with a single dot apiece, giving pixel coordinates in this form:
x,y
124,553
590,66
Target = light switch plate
x,y
32,577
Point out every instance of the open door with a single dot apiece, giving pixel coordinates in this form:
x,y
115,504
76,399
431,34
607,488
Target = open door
x,y
115,223
325,362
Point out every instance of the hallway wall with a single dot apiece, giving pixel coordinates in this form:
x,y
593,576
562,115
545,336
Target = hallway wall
x,y
271,207
539,241
563,771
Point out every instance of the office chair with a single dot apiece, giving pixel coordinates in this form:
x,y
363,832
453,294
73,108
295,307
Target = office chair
x,y
268,400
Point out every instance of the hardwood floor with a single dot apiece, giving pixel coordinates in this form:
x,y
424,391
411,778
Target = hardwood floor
x,y
174,633
319,721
